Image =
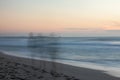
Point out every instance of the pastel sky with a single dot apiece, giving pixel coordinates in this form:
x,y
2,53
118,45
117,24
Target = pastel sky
x,y
65,17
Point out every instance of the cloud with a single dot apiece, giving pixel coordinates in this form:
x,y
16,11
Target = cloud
x,y
112,26
115,23
83,29
113,30
76,28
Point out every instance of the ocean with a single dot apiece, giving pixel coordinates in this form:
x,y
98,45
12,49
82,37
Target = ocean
x,y
99,53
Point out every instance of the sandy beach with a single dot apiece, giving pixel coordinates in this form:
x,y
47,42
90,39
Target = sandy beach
x,y
16,68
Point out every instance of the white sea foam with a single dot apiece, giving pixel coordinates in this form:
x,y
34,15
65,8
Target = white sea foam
x,y
114,42
113,71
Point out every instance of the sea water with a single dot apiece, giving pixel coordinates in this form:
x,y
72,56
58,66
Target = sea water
x,y
101,53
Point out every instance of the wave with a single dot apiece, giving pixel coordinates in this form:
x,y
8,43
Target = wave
x,y
95,53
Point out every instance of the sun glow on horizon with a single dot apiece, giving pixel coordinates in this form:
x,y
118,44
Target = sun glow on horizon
x,y
59,16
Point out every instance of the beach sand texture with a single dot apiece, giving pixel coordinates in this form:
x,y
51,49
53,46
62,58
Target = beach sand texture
x,y
16,68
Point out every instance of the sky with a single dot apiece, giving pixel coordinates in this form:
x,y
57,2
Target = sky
x,y
64,17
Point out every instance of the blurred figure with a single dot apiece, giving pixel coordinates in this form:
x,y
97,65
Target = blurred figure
x,y
53,47
44,47
41,48
32,46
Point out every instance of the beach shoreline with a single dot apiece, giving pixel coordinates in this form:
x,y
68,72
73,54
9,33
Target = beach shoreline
x,y
63,71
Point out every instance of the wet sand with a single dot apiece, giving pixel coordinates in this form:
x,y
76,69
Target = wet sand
x,y
16,68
